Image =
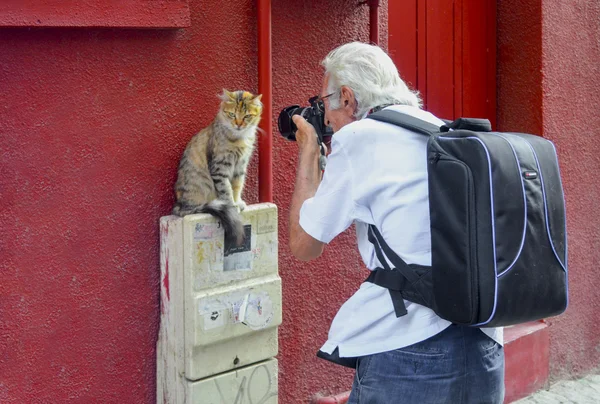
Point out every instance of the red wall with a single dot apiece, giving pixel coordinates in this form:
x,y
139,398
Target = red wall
x,y
92,124
548,54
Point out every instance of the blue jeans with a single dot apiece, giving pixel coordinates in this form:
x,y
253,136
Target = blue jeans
x,y
460,365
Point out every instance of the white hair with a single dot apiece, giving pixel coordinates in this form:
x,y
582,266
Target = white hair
x,y
370,73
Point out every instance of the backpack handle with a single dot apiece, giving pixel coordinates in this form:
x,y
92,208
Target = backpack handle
x,y
473,124
405,121
420,126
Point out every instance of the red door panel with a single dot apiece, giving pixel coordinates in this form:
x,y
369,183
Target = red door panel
x,y
439,50
402,33
446,49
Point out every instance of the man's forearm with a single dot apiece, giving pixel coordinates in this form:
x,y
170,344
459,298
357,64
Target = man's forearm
x,y
308,178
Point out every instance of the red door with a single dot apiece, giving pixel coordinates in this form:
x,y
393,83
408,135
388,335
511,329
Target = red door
x,y
446,49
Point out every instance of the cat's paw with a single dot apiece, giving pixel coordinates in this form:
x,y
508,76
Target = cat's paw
x,y
241,205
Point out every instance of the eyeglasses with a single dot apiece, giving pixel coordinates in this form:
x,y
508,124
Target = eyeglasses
x,y
318,101
319,98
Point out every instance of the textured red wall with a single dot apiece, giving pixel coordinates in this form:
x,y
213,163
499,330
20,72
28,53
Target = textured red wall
x,y
571,56
548,84
519,48
92,125
95,13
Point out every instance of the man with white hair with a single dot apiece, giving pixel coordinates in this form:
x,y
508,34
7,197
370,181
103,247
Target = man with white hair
x,y
377,175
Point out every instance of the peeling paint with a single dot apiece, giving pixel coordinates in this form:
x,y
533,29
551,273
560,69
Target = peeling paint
x,y
166,278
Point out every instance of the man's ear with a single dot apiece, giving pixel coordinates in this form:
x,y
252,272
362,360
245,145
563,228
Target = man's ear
x,y
347,99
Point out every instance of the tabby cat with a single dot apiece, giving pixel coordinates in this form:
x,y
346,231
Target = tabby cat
x,y
213,167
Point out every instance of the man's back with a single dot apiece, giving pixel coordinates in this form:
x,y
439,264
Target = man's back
x,y
389,166
376,174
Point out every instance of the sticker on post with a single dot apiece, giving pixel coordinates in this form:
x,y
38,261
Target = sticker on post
x,y
207,231
209,253
256,310
239,258
235,310
214,315
215,319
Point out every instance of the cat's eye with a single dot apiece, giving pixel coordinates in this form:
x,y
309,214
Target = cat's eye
x,y
248,117
231,114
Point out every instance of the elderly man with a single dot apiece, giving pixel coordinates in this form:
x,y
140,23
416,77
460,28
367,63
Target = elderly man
x,y
377,174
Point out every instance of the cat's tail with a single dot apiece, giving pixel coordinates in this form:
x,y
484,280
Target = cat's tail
x,y
227,213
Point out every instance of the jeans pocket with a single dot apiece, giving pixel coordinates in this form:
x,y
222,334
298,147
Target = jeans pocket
x,y
488,343
488,346
362,367
492,356
422,349
420,353
410,361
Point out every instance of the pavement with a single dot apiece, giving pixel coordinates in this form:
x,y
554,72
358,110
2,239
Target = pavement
x,y
581,391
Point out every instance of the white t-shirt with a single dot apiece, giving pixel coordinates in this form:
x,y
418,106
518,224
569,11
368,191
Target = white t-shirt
x,y
377,174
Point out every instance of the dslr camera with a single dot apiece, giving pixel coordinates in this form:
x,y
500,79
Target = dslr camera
x,y
315,115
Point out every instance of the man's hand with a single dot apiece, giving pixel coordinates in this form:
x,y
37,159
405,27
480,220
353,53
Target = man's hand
x,y
308,177
306,135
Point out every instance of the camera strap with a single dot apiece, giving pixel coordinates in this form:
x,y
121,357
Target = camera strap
x,y
378,108
322,157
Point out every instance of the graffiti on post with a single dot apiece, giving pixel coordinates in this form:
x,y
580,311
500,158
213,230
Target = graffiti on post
x,y
257,388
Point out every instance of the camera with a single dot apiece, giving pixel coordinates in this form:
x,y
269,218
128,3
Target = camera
x,y
315,115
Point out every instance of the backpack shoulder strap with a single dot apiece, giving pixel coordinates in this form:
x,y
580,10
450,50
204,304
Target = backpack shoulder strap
x,y
394,280
379,243
405,121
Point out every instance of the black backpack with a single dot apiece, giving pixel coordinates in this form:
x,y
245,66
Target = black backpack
x,y
498,227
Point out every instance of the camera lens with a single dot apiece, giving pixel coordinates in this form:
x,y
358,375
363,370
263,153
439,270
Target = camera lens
x,y
315,115
286,126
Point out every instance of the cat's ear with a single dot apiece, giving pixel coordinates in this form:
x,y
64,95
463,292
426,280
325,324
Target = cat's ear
x,y
256,99
226,95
